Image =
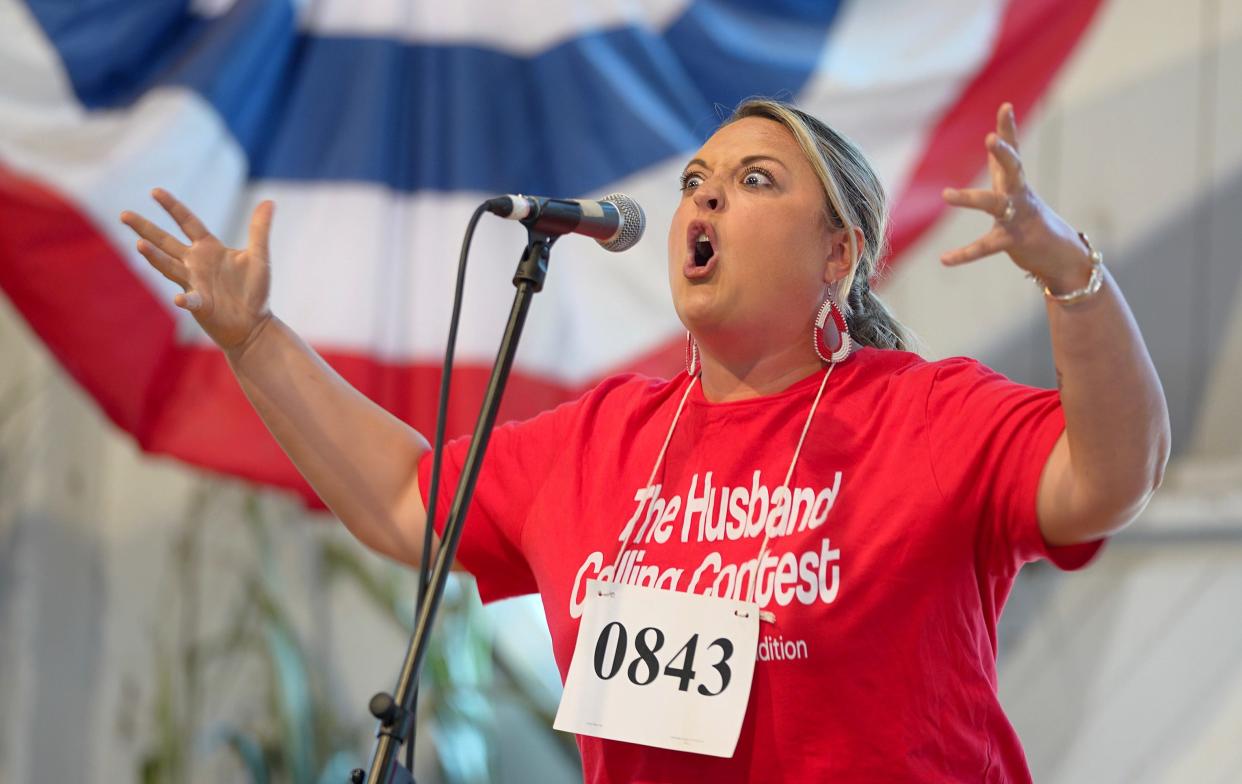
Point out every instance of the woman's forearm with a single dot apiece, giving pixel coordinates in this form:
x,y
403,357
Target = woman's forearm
x,y
359,458
1116,417
1116,443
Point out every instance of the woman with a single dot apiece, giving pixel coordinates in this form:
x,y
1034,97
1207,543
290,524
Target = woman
x,y
875,506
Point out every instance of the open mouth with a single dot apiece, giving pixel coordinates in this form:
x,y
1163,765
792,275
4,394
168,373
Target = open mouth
x,y
702,249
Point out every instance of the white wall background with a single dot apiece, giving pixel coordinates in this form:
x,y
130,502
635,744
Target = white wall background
x,y
1131,671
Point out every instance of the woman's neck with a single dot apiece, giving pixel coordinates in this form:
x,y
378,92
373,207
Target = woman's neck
x,y
725,380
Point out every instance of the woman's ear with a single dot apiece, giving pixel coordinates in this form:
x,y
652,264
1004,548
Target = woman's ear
x,y
840,259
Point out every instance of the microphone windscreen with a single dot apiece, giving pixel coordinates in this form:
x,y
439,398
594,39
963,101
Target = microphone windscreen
x,y
633,223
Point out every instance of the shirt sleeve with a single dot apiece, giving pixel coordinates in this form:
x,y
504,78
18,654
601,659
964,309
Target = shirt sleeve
x,y
515,464
990,439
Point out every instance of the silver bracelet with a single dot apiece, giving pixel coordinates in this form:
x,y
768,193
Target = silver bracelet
x,y
1093,283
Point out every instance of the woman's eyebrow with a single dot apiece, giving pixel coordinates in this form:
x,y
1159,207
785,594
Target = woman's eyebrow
x,y
749,159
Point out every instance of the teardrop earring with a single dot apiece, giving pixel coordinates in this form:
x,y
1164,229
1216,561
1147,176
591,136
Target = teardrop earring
x,y
831,335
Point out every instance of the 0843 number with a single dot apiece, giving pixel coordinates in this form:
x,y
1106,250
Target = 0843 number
x,y
612,648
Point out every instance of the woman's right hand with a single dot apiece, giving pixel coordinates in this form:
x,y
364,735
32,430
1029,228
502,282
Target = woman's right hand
x,y
225,289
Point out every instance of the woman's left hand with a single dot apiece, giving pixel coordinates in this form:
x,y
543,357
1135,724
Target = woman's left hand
x,y
1036,238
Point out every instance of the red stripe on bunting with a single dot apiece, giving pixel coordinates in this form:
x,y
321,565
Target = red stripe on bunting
x,y
1034,41
95,317
112,335
117,340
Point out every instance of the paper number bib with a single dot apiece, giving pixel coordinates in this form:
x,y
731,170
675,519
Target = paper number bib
x,y
661,668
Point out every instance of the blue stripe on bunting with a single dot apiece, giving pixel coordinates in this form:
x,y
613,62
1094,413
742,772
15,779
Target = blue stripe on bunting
x,y
568,120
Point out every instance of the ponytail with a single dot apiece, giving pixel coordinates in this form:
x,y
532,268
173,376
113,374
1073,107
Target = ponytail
x,y
870,321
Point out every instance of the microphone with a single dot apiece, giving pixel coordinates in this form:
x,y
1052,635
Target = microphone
x,y
616,221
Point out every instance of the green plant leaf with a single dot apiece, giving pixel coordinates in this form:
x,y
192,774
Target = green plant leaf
x,y
247,749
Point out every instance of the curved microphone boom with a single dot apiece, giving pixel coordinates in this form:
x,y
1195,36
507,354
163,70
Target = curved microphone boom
x,y
616,221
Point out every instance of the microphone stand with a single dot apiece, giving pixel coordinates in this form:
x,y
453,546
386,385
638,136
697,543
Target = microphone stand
x,y
396,714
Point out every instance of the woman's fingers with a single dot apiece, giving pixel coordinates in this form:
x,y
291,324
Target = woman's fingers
x,y
169,267
1007,125
174,270
1008,184
990,202
1008,163
154,234
261,228
190,300
188,221
1004,162
993,242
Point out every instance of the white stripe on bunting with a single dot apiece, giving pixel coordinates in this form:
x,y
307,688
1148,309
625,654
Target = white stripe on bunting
x,y
363,269
885,85
521,28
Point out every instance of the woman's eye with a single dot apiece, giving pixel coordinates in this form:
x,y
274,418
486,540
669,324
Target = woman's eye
x,y
757,178
689,181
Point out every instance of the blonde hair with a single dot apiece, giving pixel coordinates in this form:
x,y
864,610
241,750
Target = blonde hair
x,y
854,197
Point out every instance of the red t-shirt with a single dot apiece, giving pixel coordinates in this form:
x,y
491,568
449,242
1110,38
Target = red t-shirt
x,y
910,511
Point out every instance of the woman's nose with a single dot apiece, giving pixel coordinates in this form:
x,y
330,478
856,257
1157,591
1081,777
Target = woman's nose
x,y
708,196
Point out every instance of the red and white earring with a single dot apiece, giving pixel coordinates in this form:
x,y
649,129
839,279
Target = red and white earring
x,y
831,335
693,364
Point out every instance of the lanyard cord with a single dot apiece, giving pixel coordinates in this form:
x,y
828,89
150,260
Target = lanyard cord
x,y
659,459
788,474
763,548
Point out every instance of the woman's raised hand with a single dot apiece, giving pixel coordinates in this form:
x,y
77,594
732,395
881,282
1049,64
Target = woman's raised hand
x,y
1036,238
225,289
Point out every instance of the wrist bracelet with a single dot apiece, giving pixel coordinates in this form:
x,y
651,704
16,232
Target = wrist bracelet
x,y
1093,283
